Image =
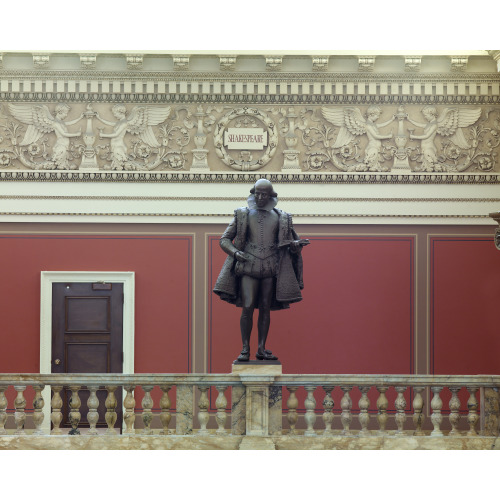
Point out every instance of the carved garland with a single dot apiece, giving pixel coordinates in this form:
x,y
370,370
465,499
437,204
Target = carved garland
x,y
242,164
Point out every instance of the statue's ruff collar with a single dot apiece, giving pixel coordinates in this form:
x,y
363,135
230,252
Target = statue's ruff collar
x,y
252,204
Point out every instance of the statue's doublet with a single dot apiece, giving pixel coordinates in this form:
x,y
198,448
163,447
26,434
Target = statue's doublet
x,y
261,245
261,239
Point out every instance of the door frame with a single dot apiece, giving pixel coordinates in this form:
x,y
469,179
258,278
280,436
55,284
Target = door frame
x,y
47,278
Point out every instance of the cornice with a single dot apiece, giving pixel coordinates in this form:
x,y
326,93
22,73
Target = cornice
x,y
251,88
245,76
272,60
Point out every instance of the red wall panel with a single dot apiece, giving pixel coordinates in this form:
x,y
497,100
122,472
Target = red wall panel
x,y
162,266
464,298
357,314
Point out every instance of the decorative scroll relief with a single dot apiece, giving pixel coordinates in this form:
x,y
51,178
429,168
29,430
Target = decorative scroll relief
x,y
449,140
287,139
141,139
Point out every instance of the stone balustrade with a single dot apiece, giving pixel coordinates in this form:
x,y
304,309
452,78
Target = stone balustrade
x,y
241,410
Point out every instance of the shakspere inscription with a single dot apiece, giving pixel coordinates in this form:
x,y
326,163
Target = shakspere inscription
x,y
245,138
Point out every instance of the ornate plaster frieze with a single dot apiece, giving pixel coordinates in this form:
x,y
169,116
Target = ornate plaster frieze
x,y
203,138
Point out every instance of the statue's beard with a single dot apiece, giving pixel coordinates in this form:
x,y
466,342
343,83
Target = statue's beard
x,y
252,204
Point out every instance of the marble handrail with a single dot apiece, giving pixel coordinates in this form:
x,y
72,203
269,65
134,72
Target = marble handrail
x,y
117,378
256,402
390,380
231,379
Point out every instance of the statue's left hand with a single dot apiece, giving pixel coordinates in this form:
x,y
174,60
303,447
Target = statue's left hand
x,y
296,245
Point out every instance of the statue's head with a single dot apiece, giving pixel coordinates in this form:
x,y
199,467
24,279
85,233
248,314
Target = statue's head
x,y
263,192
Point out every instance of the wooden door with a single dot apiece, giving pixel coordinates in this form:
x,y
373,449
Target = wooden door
x,y
87,337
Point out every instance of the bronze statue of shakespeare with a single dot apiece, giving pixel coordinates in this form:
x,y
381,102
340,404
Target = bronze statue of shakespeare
x,y
264,265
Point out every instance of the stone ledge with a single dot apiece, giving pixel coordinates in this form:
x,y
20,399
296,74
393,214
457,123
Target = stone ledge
x,y
213,442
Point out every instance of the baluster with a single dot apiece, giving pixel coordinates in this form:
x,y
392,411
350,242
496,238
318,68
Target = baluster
x,y
400,405
203,415
472,405
346,405
129,404
454,410
292,405
38,404
74,414
382,405
310,416
221,403
436,417
3,409
20,405
93,404
110,404
364,404
56,415
165,409
328,405
147,405
418,415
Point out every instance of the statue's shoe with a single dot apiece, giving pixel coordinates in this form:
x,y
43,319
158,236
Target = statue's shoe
x,y
244,356
266,356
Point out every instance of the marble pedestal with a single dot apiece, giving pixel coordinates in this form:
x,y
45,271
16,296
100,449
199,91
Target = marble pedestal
x,y
257,406
490,411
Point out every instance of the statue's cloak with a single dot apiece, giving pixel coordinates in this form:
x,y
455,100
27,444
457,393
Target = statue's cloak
x,y
289,279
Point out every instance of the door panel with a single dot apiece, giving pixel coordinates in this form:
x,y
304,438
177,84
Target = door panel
x,y
87,358
88,314
87,337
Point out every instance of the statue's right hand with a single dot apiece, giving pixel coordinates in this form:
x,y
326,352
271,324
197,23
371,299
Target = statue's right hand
x,y
240,256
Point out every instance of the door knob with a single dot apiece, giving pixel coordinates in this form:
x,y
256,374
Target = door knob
x,y
57,362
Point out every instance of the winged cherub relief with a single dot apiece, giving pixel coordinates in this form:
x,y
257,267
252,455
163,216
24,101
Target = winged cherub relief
x,y
353,124
40,122
449,124
138,122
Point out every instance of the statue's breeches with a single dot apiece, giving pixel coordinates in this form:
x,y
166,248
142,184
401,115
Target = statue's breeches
x,y
256,267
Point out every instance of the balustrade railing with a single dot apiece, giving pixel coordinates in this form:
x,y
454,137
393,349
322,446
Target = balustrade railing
x,y
291,405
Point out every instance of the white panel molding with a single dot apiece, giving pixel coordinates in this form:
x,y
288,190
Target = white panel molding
x,y
50,277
